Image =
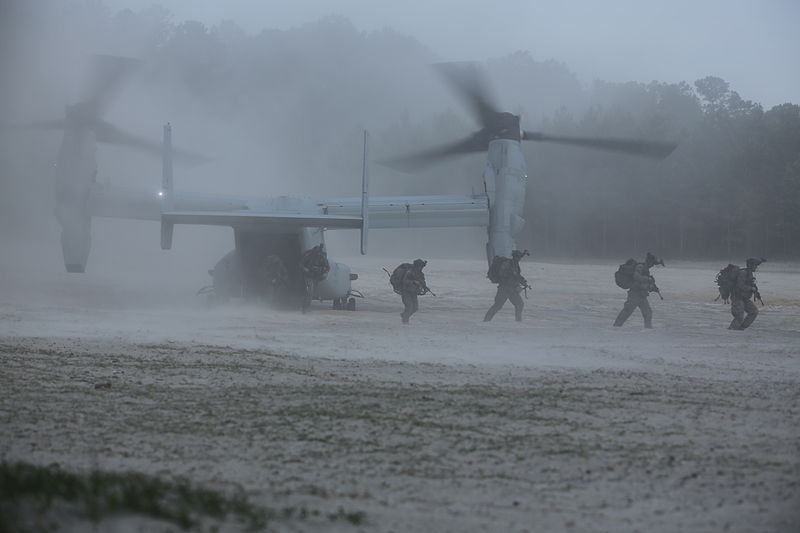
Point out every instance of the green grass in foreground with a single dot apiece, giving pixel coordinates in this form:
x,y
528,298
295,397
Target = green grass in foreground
x,y
100,494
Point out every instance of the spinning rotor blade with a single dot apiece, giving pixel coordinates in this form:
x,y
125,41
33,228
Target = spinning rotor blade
x,y
107,73
654,149
415,162
469,82
110,134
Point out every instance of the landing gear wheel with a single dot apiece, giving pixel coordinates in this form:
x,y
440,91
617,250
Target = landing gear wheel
x,y
351,304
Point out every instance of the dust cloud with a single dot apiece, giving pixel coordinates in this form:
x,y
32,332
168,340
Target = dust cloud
x,y
280,112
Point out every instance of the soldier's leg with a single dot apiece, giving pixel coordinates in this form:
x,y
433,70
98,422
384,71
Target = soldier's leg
x,y
414,304
499,299
516,299
752,312
627,309
406,307
647,312
737,310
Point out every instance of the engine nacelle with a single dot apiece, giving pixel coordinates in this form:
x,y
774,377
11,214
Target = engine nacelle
x,y
75,174
76,237
505,179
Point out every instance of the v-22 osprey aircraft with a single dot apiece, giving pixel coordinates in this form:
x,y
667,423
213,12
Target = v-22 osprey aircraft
x,y
288,226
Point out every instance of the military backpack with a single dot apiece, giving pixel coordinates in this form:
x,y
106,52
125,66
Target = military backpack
x,y
396,279
726,281
624,274
494,269
500,269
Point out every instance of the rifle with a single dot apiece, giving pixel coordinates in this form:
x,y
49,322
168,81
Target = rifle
x,y
758,296
654,288
425,290
525,286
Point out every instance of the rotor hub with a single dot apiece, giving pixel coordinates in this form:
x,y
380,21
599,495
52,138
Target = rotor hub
x,y
504,125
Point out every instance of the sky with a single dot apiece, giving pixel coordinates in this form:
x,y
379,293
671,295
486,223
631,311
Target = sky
x,y
751,44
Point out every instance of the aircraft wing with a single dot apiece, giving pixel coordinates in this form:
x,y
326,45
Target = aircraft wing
x,y
415,211
114,201
263,221
345,213
281,213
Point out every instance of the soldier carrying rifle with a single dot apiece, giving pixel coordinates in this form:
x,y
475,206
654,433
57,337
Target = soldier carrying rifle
x,y
742,294
408,281
510,282
637,279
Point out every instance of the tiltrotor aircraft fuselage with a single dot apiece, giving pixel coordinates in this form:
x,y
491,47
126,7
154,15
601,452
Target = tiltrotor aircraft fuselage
x,y
288,226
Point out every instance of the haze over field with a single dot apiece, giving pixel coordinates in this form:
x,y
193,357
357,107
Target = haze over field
x,y
560,423
351,420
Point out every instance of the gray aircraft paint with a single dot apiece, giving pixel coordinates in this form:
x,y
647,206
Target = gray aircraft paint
x,y
505,178
75,174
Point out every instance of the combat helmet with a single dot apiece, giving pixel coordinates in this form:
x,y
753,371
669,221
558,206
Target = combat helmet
x,y
651,260
419,263
753,262
519,254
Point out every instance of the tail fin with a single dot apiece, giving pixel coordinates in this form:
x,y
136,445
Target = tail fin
x,y
167,189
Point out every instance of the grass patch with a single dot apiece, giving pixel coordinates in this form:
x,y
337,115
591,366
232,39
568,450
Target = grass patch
x,y
101,494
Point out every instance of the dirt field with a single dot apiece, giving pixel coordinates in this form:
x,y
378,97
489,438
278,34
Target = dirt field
x,y
560,423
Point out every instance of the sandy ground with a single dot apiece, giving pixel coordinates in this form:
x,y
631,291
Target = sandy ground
x,y
560,423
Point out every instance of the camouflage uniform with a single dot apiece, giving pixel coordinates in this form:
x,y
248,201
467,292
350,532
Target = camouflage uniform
x,y
413,285
315,267
742,294
314,263
510,285
638,293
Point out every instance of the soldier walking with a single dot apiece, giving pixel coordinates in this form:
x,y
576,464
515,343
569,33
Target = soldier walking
x,y
639,284
315,266
742,295
510,282
408,281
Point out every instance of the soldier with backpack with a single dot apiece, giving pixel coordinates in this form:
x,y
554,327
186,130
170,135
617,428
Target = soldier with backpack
x,y
510,282
315,267
739,284
637,279
408,281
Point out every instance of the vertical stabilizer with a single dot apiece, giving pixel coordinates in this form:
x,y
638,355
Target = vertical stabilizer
x,y
167,188
364,198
